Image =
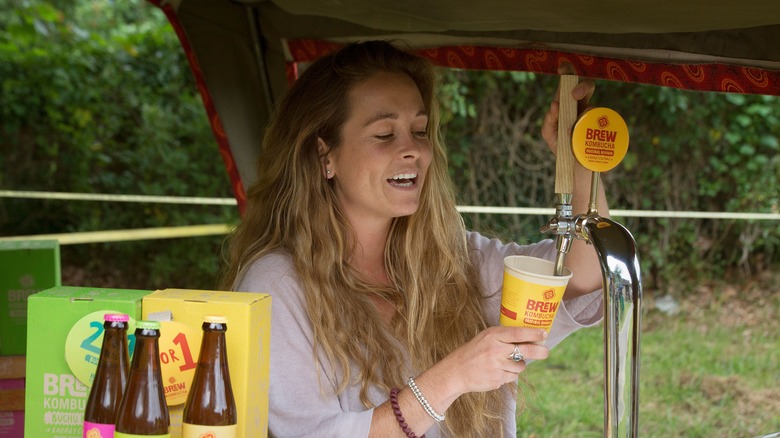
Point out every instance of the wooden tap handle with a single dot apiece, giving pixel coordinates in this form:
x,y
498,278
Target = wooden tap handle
x,y
567,116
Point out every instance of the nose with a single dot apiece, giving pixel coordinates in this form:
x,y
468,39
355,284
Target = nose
x,y
411,146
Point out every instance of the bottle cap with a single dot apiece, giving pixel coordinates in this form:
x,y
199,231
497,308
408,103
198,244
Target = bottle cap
x,y
116,317
147,325
215,319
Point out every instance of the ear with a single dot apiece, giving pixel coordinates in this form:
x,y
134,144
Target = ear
x,y
323,150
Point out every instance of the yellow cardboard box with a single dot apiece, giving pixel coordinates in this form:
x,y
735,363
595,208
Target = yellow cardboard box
x,y
248,340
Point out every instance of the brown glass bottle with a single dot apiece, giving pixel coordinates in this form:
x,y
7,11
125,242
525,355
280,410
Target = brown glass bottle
x,y
211,407
143,411
110,379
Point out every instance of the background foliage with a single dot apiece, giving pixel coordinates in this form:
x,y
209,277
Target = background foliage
x,y
97,97
689,151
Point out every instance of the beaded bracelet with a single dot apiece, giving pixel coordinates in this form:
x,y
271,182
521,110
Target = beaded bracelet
x,y
423,401
398,415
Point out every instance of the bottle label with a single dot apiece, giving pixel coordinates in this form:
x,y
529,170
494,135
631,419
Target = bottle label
x,y
98,430
130,435
197,431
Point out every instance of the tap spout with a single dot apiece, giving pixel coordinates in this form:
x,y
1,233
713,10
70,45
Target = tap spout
x,y
617,252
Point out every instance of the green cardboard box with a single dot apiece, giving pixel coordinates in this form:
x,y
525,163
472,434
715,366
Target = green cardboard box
x,y
26,267
64,336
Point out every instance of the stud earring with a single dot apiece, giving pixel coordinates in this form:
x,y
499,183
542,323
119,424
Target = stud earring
x,y
328,171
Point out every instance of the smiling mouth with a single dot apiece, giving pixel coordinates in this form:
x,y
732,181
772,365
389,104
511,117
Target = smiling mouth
x,y
403,180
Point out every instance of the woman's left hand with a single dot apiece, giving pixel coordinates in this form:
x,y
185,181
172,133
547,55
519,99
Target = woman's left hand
x,y
582,92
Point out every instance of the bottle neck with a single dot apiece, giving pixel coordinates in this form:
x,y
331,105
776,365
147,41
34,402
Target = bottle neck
x,y
213,345
114,340
146,349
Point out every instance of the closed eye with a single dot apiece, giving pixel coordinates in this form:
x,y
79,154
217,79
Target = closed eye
x,y
384,137
420,134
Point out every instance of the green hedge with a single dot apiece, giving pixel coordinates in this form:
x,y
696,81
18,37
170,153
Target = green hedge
x,y
97,97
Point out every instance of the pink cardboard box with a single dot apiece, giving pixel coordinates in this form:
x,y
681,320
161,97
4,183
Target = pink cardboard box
x,y
11,424
11,394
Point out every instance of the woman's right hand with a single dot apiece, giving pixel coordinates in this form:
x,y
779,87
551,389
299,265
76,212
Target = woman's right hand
x,y
483,363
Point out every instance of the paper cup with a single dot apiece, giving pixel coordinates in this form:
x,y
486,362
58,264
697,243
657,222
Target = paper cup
x,y
532,292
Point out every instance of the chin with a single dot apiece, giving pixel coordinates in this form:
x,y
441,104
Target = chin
x,y
406,212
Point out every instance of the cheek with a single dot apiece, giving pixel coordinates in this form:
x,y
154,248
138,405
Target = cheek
x,y
427,158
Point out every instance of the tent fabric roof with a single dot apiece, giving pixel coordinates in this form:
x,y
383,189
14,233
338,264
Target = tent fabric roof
x,y
726,29
239,49
606,16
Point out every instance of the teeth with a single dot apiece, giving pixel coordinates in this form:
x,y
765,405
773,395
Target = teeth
x,y
405,176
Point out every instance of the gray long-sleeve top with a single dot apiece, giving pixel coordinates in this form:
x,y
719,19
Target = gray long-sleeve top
x,y
297,405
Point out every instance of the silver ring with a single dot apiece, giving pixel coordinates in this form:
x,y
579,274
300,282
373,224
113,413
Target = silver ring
x,y
516,355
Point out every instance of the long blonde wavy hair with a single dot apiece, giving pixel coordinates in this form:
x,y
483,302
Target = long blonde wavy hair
x,y
433,284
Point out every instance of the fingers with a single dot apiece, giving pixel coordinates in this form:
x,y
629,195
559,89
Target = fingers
x,y
582,92
566,68
533,351
518,358
529,342
550,126
517,335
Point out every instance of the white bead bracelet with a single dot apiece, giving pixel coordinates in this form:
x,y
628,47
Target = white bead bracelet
x,y
423,401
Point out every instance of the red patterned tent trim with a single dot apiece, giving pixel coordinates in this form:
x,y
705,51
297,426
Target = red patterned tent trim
x,y
700,77
208,103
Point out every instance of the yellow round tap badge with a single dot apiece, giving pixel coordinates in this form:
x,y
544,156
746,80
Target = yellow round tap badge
x,y
600,139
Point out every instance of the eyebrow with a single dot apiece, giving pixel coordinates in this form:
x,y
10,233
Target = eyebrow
x,y
393,116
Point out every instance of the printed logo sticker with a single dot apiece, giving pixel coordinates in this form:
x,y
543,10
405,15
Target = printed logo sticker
x,y
179,349
84,341
600,139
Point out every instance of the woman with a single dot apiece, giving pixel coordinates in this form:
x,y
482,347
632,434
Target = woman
x,y
351,226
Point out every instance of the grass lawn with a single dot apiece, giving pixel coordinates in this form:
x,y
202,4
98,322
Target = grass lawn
x,y
712,370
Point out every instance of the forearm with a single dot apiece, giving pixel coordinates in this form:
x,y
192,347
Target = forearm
x,y
479,365
433,386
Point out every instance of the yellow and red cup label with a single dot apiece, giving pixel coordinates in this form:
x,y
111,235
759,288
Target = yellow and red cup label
x,y
600,139
531,294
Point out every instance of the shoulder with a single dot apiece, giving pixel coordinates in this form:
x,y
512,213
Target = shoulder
x,y
276,261
487,250
273,273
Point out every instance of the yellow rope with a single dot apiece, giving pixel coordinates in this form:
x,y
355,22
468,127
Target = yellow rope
x,y
131,234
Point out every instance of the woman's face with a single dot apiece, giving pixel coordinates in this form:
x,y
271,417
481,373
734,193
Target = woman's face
x,y
380,167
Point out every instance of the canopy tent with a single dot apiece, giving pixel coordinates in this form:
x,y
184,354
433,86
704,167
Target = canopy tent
x,y
243,53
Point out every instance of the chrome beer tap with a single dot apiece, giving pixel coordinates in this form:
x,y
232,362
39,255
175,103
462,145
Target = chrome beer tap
x,y
599,140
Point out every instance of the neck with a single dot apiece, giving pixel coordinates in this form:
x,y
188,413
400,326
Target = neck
x,y
368,257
